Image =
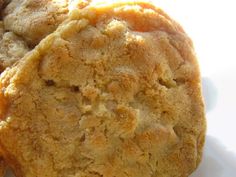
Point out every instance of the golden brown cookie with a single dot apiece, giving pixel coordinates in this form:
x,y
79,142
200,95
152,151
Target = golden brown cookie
x,y
34,19
12,48
114,92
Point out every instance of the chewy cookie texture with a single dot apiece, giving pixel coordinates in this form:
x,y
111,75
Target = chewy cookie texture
x,y
12,48
25,23
34,19
113,92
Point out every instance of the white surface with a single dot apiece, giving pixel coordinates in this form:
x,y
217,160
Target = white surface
x,y
212,26
217,161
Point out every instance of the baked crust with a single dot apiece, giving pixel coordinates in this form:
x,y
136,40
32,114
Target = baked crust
x,y
27,22
114,91
34,19
12,48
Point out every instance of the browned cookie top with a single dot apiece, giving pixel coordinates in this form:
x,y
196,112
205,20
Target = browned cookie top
x,y
114,91
12,48
34,19
27,22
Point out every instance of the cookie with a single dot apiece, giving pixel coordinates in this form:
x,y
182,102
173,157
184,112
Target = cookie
x,y
114,91
12,48
34,19
28,22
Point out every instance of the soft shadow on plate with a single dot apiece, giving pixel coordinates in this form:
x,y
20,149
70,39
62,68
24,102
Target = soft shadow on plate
x,y
217,161
210,93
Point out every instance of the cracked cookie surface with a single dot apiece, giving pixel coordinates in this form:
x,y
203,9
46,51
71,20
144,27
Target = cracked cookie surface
x,y
34,19
12,48
114,91
27,22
